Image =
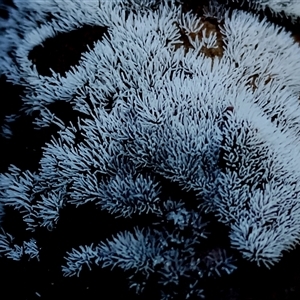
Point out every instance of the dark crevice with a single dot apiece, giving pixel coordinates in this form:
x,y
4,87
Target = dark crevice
x,y
65,49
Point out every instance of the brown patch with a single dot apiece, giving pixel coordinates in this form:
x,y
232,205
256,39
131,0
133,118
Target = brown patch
x,y
252,80
296,37
209,26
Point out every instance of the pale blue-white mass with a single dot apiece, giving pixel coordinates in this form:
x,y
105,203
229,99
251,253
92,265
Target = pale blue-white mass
x,y
225,127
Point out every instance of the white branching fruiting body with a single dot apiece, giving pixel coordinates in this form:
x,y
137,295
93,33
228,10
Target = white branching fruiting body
x,y
226,127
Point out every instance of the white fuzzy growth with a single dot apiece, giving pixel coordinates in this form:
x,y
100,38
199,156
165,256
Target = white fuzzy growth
x,y
190,23
289,7
134,34
131,251
16,252
173,112
261,49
